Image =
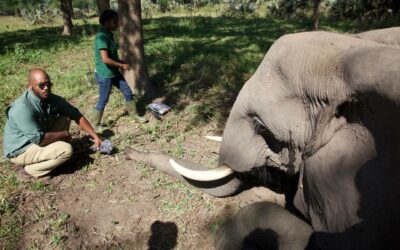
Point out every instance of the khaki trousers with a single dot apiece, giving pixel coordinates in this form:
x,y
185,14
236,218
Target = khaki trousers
x,y
40,161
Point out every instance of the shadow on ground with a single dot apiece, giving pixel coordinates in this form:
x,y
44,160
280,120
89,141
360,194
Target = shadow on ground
x,y
163,235
83,156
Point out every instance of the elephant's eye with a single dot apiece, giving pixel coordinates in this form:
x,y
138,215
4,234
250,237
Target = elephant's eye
x,y
341,109
259,127
274,144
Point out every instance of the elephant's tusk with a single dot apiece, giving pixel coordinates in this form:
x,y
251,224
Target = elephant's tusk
x,y
202,175
214,138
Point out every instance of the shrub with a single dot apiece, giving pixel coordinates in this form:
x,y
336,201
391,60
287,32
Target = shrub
x,y
241,7
285,8
40,14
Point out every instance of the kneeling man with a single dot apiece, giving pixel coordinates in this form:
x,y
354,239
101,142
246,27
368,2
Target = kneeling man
x,y
36,132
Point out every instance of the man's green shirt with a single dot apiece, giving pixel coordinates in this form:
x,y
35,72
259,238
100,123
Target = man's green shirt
x,y
29,118
105,40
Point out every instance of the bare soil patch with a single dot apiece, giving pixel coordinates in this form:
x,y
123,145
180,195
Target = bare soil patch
x,y
105,201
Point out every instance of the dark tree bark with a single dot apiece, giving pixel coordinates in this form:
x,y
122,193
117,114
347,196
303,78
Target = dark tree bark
x,y
316,13
18,12
395,6
103,5
71,10
132,49
66,7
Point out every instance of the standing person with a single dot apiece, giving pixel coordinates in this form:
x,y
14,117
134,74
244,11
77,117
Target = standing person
x,y
107,68
36,132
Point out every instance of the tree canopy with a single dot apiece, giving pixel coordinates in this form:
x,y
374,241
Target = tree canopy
x,y
281,8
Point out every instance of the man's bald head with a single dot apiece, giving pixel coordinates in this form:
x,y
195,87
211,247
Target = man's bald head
x,y
39,82
36,73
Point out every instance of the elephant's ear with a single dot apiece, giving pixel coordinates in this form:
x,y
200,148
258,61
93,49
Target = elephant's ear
x,y
389,36
374,70
355,175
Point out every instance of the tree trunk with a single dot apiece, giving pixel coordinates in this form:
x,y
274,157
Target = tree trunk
x,y
131,46
71,9
317,4
395,6
103,5
66,6
18,12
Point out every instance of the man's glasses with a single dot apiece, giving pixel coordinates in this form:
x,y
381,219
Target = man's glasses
x,y
42,85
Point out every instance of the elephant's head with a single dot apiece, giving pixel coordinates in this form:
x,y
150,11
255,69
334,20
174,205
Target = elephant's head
x,y
305,91
326,105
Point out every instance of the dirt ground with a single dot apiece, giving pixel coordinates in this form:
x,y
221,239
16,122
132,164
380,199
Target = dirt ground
x,y
111,202
107,202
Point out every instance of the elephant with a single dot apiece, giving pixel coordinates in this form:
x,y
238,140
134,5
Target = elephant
x,y
322,107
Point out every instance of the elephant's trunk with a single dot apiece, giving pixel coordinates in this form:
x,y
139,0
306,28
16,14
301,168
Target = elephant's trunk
x,y
220,187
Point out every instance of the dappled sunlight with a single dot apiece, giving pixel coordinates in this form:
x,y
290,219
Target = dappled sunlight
x,y
198,64
205,58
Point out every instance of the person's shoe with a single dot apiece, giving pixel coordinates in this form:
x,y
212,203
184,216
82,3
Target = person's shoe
x,y
100,128
23,176
96,121
140,119
132,112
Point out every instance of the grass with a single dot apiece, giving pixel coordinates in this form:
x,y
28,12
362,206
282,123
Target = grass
x,y
144,170
178,150
10,221
58,228
60,220
198,62
201,58
185,199
110,187
91,186
39,186
9,233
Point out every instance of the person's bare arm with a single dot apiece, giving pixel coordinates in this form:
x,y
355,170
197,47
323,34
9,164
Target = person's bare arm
x,y
85,125
51,137
107,60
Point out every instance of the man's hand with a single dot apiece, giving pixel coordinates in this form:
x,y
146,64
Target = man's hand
x,y
97,142
110,62
85,125
125,66
67,137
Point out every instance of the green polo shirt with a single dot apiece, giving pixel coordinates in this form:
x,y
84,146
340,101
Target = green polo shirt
x,y
28,119
105,40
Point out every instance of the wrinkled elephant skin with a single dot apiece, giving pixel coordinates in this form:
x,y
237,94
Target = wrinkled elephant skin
x,y
325,107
